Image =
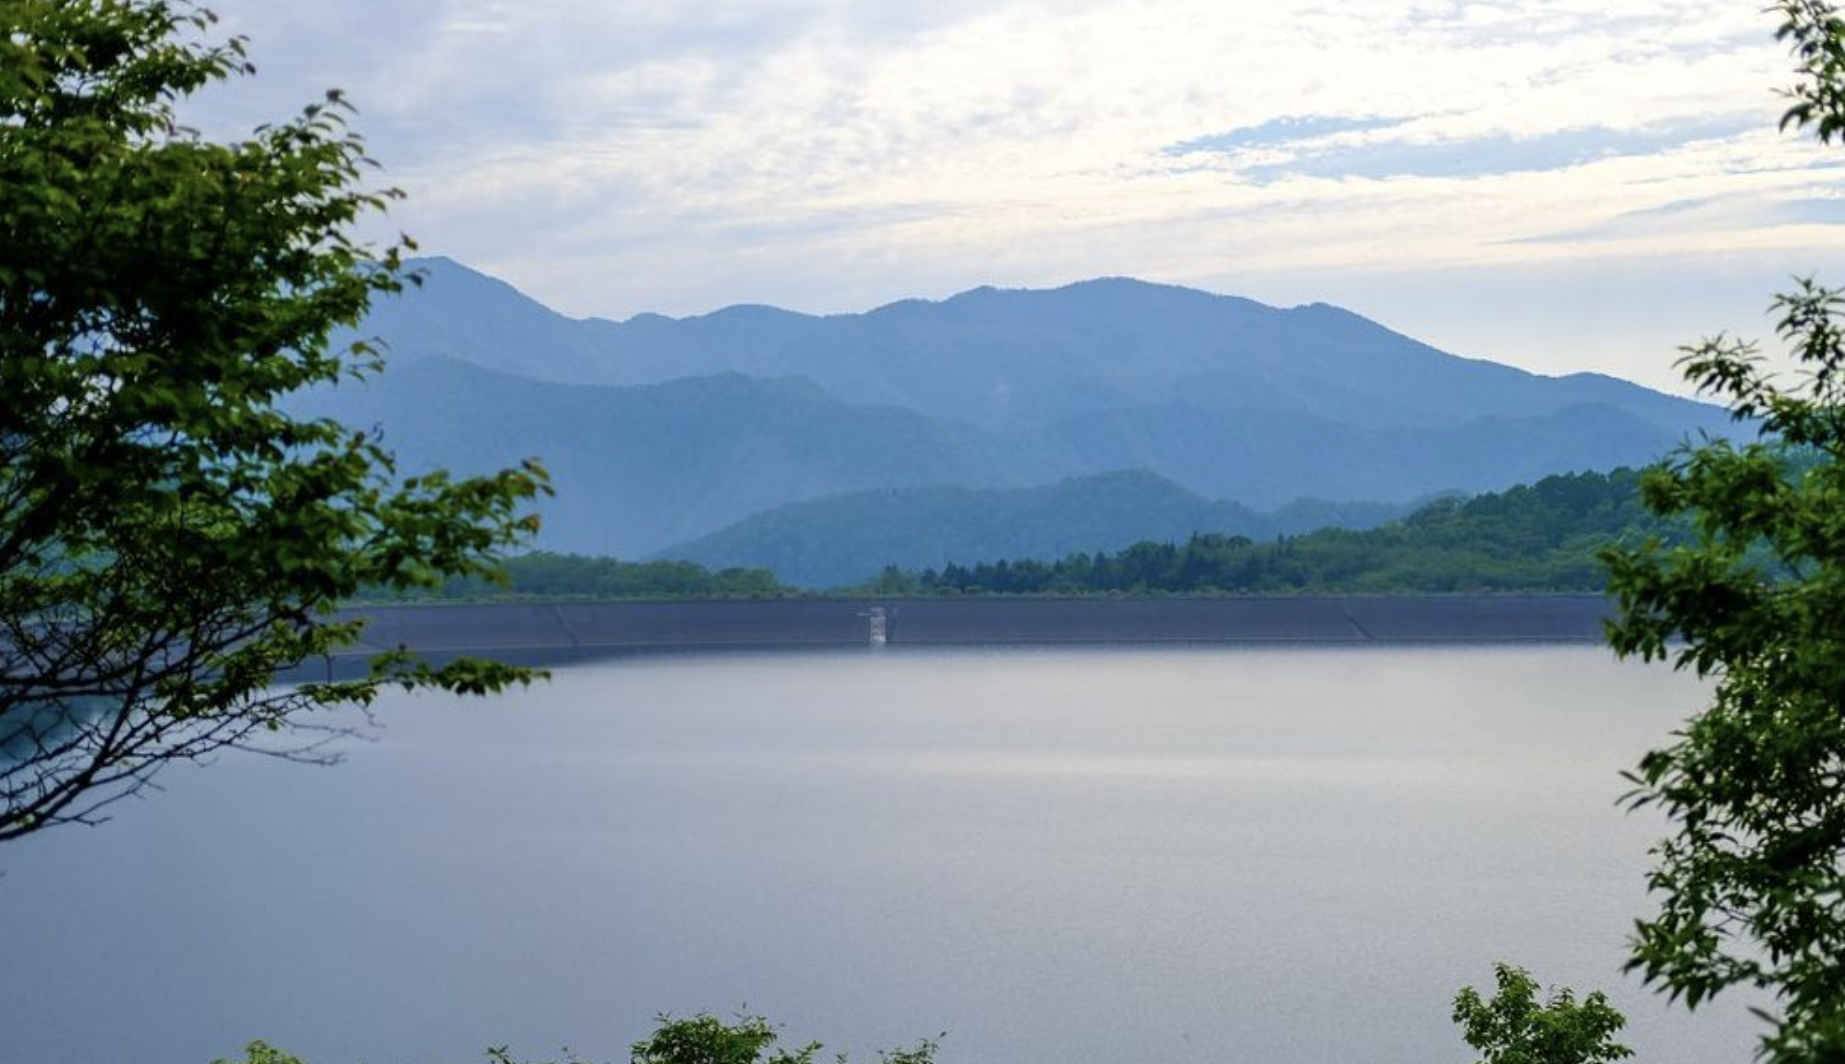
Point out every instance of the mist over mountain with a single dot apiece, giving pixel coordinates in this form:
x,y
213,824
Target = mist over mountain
x,y
660,431
638,468
845,539
1268,457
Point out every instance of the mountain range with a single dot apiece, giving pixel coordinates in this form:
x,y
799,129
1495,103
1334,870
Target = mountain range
x,y
661,432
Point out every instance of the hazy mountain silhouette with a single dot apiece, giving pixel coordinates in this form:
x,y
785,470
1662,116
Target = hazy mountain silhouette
x,y
662,430
1009,359
638,468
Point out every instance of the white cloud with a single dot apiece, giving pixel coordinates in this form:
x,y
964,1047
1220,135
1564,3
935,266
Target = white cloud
x,y
622,156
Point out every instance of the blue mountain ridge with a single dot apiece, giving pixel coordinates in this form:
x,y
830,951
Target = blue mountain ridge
x,y
660,430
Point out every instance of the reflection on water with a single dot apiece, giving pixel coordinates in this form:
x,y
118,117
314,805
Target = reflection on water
x,y
1055,856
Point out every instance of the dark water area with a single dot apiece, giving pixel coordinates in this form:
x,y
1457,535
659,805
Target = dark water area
x,y
1284,855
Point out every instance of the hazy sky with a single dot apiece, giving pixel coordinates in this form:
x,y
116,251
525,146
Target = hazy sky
x,y
1562,185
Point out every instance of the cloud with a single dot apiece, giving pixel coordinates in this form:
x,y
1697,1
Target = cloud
x,y
1500,154
1286,131
674,155
1711,215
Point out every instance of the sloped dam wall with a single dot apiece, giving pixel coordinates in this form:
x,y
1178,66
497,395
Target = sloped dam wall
x,y
557,632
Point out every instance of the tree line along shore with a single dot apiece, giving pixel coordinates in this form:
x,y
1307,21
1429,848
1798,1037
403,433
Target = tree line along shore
x,y
1548,536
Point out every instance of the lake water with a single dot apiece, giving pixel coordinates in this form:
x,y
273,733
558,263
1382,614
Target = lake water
x,y
1273,856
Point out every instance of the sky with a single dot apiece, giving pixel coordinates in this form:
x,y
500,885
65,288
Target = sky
x,y
1566,185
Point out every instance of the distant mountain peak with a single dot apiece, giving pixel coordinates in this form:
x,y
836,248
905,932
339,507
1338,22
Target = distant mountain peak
x,y
1146,478
1123,282
1114,284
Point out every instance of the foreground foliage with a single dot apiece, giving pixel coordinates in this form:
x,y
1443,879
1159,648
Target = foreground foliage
x,y
169,536
1751,884
700,1039
1513,1027
705,1039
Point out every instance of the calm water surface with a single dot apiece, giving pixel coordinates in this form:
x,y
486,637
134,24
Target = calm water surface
x,y
1271,856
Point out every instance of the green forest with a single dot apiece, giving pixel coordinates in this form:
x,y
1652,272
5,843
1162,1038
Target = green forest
x,y
1540,537
546,575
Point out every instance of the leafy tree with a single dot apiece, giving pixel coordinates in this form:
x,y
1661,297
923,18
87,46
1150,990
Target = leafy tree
x,y
170,536
700,1039
1751,884
705,1039
260,1052
1514,1028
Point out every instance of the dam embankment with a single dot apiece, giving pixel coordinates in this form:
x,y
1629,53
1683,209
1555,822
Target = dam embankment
x,y
556,632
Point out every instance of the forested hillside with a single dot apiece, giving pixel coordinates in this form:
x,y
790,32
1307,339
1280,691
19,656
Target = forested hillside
x,y
1542,537
843,539
545,575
